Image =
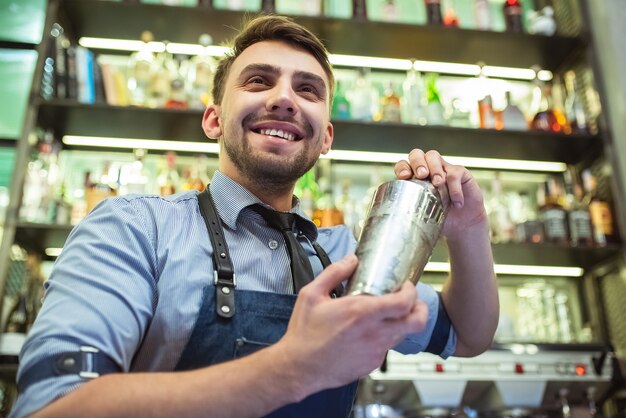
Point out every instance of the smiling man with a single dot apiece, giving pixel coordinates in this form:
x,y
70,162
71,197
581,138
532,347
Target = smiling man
x,y
196,305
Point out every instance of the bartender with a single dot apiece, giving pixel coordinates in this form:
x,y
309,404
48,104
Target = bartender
x,y
204,304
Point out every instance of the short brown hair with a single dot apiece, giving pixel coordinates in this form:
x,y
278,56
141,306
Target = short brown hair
x,y
272,28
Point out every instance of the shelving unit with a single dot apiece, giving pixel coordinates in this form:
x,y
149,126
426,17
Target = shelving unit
x,y
105,19
69,117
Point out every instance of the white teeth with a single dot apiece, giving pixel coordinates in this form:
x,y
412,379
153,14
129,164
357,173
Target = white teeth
x,y
279,133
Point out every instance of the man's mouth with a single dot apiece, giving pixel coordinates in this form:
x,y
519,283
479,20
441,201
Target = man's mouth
x,y
289,136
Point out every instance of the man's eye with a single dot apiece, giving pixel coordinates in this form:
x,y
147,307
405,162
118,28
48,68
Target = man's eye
x,y
309,89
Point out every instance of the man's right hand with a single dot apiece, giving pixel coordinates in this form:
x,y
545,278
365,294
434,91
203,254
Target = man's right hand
x,y
331,342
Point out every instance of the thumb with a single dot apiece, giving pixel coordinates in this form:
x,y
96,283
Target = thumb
x,y
334,274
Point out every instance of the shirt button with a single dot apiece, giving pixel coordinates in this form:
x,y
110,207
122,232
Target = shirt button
x,y
273,244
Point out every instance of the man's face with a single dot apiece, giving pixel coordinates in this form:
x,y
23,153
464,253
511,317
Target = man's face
x,y
273,121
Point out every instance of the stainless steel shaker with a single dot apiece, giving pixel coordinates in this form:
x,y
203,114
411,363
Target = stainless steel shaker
x,y
403,225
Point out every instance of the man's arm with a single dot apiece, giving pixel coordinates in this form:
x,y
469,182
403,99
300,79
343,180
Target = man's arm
x,y
328,343
470,294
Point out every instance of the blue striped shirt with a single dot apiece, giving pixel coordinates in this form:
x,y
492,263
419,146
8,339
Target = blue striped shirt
x,y
130,278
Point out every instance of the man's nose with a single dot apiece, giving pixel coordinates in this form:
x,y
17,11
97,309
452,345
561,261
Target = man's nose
x,y
282,100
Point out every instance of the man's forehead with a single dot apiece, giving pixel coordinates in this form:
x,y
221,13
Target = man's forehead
x,y
278,54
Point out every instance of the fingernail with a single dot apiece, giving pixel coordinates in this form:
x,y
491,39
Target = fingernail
x,y
405,173
437,179
421,171
348,259
458,204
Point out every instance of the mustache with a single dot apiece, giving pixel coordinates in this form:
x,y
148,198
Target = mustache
x,y
253,118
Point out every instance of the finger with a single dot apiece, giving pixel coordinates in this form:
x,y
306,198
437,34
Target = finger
x,y
455,176
332,276
415,321
435,167
418,163
403,170
394,305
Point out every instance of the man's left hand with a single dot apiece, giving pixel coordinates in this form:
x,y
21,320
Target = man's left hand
x,y
466,200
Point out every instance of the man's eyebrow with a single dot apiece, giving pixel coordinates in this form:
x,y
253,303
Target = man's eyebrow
x,y
311,77
259,67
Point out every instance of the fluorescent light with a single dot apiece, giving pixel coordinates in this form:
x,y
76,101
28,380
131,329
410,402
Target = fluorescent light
x,y
119,44
517,270
369,62
472,162
341,155
508,72
471,70
53,251
134,143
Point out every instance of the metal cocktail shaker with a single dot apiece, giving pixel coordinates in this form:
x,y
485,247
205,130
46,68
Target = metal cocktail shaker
x,y
403,224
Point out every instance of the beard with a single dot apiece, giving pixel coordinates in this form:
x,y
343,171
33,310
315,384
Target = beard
x,y
269,171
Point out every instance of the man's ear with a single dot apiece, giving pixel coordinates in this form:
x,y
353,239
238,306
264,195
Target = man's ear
x,y
328,138
212,121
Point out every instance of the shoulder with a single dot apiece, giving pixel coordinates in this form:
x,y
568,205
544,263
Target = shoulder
x,y
337,241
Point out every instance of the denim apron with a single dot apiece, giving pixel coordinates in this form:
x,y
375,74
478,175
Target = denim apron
x,y
260,320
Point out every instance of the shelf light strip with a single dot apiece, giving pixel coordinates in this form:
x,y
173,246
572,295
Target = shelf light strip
x,y
339,155
517,270
470,70
439,267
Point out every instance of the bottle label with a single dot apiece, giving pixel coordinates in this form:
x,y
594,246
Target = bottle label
x,y
555,224
601,217
580,225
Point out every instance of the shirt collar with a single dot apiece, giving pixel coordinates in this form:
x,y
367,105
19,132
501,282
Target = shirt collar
x,y
231,198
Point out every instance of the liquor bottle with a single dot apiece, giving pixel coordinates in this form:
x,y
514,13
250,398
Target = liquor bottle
x,y
546,119
579,218
200,76
553,215
326,213
486,114
359,9
413,99
389,11
434,107
168,179
390,105
450,17
348,207
574,109
205,4
268,6
559,106
599,210
161,81
140,69
512,116
529,229
133,176
502,228
541,22
513,16
363,97
433,12
341,106
308,191
482,14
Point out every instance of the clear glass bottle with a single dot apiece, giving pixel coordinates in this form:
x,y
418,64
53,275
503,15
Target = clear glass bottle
x,y
168,179
502,228
161,82
363,97
414,98
512,116
434,108
140,70
200,76
574,109
547,118
390,105
482,14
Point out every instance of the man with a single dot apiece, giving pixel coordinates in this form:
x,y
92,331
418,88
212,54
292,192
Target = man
x,y
141,287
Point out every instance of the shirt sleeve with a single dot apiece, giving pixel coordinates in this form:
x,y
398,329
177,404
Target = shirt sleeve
x,y
417,342
101,293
